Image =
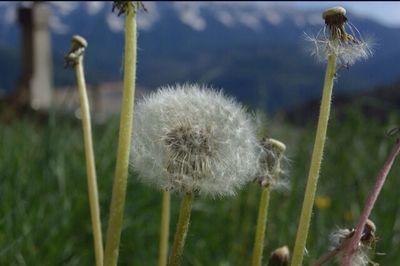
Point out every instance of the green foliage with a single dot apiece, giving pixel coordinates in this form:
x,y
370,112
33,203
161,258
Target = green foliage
x,y
44,211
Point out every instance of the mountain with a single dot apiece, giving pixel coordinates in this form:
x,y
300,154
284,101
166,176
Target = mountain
x,y
256,52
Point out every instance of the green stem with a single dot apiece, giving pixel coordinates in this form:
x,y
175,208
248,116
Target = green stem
x,y
164,229
124,144
90,163
260,229
181,230
247,223
304,225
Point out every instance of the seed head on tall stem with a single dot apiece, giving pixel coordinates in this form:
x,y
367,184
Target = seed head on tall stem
x,y
340,238
190,139
334,44
340,38
75,58
269,170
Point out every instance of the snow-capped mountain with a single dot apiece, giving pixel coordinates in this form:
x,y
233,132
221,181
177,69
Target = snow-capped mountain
x,y
255,51
250,15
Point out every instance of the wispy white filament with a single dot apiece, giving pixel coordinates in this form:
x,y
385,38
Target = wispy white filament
x,y
269,165
189,138
360,257
347,52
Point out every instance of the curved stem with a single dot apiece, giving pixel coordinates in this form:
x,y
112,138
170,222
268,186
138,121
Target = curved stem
x,y
124,143
164,228
327,257
90,163
304,224
353,243
181,230
260,229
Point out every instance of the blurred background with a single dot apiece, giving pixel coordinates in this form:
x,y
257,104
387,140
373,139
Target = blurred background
x,y
254,51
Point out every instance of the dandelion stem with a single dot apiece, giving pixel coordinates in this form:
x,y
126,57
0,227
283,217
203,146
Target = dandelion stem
x,y
181,230
164,229
353,243
126,121
304,224
90,162
260,229
326,257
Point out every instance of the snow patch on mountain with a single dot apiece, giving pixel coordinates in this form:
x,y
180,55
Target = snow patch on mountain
x,y
196,15
189,14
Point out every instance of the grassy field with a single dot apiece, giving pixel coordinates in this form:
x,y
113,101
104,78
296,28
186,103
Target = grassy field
x,y
44,216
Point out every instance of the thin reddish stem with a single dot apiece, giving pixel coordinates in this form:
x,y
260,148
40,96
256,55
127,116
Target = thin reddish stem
x,y
327,257
352,245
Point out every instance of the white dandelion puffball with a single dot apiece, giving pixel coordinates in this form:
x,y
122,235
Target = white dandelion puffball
x,y
188,138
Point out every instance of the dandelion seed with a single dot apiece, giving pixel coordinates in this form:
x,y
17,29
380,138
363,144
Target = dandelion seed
x,y
339,37
189,138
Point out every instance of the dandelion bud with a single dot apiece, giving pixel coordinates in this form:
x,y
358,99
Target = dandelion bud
x,y
191,139
279,257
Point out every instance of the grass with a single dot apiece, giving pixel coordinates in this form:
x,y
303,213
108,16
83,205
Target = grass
x,y
44,211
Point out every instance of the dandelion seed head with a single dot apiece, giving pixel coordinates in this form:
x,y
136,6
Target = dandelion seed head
x,y
189,138
341,38
361,255
269,164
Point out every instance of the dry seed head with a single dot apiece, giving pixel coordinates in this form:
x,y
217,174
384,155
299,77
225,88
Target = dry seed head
x,y
339,37
78,46
78,41
334,11
368,235
360,257
334,20
269,165
189,138
279,257
123,6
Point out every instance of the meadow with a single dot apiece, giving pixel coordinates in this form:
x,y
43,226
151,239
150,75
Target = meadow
x,y
44,211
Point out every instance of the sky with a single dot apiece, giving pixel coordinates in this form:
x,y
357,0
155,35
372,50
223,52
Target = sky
x,y
385,12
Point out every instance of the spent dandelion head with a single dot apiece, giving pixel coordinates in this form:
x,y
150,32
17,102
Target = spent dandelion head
x,y
339,37
78,46
189,138
269,163
367,242
123,7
